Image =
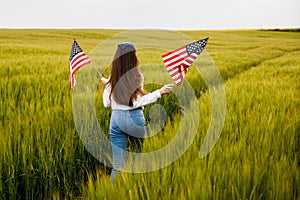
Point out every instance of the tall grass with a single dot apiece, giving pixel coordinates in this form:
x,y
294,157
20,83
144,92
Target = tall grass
x,y
40,150
256,157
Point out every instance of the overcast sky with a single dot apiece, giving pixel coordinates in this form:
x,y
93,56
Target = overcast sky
x,y
163,14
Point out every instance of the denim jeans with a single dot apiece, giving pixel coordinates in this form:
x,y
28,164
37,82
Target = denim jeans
x,y
125,125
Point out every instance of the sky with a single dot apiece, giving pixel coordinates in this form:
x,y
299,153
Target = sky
x,y
150,14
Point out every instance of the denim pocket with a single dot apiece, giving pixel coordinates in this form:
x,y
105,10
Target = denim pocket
x,y
136,124
138,119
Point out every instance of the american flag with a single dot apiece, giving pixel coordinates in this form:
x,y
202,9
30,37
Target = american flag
x,y
77,60
180,59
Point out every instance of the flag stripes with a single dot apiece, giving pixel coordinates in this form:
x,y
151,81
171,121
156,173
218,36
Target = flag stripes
x,y
179,60
77,60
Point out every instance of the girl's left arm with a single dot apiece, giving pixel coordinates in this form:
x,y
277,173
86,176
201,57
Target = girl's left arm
x,y
106,99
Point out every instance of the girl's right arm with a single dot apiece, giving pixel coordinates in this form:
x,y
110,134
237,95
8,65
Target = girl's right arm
x,y
153,96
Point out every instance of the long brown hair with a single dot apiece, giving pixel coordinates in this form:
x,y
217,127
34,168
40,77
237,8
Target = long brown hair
x,y
126,80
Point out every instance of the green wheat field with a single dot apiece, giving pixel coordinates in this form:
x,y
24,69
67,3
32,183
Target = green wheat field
x,y
256,157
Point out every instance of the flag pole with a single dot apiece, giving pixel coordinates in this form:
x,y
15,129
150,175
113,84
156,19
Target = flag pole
x,y
97,71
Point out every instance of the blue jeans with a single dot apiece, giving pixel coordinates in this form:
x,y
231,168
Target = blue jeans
x,y
125,125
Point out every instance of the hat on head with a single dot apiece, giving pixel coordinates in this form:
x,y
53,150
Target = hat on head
x,y
126,44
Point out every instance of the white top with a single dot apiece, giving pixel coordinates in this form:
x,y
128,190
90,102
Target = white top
x,y
139,102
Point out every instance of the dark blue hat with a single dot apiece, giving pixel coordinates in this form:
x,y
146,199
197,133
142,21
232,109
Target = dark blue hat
x,y
126,44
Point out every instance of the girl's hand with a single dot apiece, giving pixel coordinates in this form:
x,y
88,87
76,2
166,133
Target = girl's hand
x,y
104,80
166,89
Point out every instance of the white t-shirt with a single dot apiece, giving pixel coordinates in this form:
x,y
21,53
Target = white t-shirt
x,y
139,102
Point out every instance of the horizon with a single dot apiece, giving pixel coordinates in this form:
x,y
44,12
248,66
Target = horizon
x,y
107,28
155,14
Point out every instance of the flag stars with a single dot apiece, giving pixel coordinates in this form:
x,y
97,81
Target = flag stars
x,y
196,47
75,50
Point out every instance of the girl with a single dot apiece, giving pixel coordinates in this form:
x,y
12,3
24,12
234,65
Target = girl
x,y
125,95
